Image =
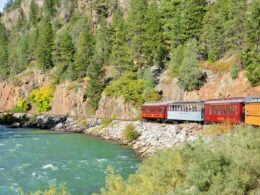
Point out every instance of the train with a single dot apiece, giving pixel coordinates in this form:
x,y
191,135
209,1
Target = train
x,y
234,110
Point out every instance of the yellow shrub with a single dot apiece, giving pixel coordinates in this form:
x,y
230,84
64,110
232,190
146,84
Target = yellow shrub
x,y
42,97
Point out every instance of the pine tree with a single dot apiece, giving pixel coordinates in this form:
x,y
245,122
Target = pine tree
x,y
192,13
136,30
190,76
33,14
64,55
120,55
252,52
19,55
103,41
4,70
33,40
96,82
45,44
170,19
83,55
49,7
153,36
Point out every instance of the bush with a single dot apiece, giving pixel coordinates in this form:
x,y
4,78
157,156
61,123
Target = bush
x,y
42,98
230,165
253,74
107,122
22,106
234,71
130,133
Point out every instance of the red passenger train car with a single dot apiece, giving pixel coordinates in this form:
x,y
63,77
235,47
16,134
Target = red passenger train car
x,y
155,110
226,109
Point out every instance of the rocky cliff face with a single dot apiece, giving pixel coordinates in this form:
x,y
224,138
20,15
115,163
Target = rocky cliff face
x,y
109,106
69,98
217,86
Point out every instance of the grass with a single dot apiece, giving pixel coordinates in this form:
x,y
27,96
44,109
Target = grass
x,y
130,133
218,129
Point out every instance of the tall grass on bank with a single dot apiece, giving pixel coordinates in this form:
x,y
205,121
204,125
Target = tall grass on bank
x,y
230,165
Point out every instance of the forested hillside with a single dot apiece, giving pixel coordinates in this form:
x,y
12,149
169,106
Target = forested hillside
x,y
115,45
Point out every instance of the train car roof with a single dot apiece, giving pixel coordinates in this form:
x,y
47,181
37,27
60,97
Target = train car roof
x,y
157,103
252,99
225,100
189,102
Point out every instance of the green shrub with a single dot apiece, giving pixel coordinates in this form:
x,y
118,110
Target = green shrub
x,y
130,133
230,165
151,95
253,73
107,122
234,71
22,106
131,88
42,98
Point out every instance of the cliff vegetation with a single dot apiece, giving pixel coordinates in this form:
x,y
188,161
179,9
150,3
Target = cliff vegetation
x,y
108,42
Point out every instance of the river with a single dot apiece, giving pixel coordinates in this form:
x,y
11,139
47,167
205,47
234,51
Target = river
x,y
33,159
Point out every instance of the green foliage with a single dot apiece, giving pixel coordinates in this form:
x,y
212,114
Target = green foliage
x,y
45,44
251,53
64,56
136,30
3,53
107,122
96,82
190,77
234,71
33,14
177,56
127,86
42,98
120,56
22,106
133,90
130,133
230,165
83,54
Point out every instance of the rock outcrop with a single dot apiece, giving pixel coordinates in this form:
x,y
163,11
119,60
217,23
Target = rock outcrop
x,y
109,106
217,86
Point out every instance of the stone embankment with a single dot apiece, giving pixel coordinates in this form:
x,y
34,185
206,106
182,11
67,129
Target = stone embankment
x,y
153,136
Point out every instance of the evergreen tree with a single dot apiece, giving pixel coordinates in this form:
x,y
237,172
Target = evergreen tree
x,y
19,55
170,19
153,36
33,14
192,13
4,70
103,41
64,55
45,44
190,76
32,41
177,56
252,52
83,55
96,82
120,54
49,7
136,30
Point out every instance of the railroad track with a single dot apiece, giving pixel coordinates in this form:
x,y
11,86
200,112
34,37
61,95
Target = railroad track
x,y
73,116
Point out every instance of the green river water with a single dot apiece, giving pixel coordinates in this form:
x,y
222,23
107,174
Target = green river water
x,y
35,159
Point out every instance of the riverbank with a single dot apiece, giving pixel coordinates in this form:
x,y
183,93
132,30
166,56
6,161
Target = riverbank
x,y
152,136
